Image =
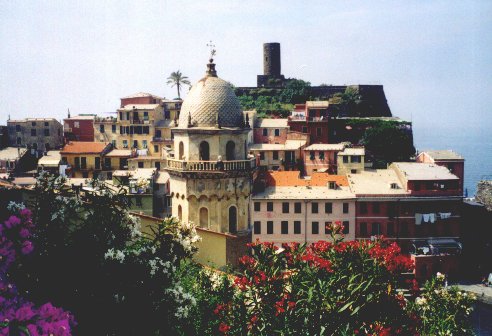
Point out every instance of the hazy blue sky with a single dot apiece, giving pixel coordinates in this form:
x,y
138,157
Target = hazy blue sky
x,y
433,57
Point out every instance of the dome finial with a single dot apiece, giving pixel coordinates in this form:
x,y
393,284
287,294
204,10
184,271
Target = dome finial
x,y
211,65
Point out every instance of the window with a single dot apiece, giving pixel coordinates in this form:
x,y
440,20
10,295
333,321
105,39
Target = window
x,y
328,207
113,143
345,227
363,208
376,229
416,186
318,131
257,206
17,128
33,123
121,115
345,208
46,132
77,162
156,149
312,155
390,229
125,143
275,155
269,227
158,133
285,207
375,207
233,219
127,115
157,165
101,128
297,207
113,128
146,115
46,124
135,143
404,228
203,217
321,155
363,229
85,174
285,227
270,206
97,162
277,132
297,227
83,162
33,132
167,114
315,227
181,150
262,156
230,151
391,210
355,159
304,129
138,201
265,132
332,185
140,164
19,141
275,168
144,143
345,159
314,207
257,227
146,130
327,227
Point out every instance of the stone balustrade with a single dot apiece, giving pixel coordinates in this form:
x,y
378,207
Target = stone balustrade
x,y
234,165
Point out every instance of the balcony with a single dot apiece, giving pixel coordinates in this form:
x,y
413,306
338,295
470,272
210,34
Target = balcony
x,y
194,166
304,118
161,139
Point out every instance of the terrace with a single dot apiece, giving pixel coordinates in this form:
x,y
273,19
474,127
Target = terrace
x,y
192,166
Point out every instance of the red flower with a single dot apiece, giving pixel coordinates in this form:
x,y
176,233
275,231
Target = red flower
x,y
254,319
291,304
224,328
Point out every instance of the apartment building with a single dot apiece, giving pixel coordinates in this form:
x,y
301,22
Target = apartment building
x,y
39,134
84,159
79,128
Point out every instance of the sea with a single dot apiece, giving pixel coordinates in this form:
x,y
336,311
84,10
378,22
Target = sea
x,y
475,145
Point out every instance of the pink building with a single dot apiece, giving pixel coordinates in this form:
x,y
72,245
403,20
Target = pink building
x,y
447,158
321,158
271,131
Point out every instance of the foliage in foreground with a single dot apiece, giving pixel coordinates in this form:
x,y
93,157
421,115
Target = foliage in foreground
x,y
19,316
339,288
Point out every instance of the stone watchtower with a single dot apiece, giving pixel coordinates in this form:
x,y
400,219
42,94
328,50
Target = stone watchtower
x,y
272,76
211,172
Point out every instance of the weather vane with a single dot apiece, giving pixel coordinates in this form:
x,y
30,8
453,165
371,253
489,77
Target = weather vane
x,y
212,49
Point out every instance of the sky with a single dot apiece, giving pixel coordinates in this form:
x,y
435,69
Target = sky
x,y
434,58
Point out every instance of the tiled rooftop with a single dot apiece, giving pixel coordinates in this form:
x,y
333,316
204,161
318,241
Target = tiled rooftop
x,y
83,147
445,154
289,145
416,171
272,123
292,179
376,182
120,152
12,153
304,193
325,147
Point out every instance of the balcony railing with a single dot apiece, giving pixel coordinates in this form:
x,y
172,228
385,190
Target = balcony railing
x,y
304,118
161,139
235,165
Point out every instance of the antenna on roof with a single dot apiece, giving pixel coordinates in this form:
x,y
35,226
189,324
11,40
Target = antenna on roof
x,y
68,113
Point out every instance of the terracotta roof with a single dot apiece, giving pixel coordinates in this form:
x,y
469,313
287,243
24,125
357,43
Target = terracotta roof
x,y
84,147
293,178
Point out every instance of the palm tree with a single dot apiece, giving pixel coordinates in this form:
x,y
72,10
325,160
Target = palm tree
x,y
177,79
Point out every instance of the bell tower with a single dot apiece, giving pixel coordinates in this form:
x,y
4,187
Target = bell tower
x,y
211,172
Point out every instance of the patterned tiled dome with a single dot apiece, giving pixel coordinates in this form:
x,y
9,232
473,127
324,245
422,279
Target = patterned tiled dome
x,y
209,99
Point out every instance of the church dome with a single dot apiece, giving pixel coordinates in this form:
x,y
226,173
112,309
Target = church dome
x,y
211,102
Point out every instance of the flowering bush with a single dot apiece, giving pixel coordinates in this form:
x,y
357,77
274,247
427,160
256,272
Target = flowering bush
x,y
18,315
338,287
443,310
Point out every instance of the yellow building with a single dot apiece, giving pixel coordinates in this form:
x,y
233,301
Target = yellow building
x,y
350,161
84,159
210,174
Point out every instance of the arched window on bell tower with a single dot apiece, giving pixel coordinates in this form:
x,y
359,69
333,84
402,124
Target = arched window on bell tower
x,y
181,150
230,151
204,218
233,219
204,151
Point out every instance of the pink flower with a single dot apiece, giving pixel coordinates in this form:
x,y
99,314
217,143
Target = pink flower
x,y
27,247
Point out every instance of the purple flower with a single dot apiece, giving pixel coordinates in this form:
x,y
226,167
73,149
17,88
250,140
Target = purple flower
x,y
33,330
26,213
24,233
25,312
27,247
12,222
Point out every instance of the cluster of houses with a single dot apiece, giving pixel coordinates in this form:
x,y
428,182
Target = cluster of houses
x,y
235,175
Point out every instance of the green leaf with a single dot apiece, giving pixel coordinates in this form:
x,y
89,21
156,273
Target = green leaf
x,y
346,306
